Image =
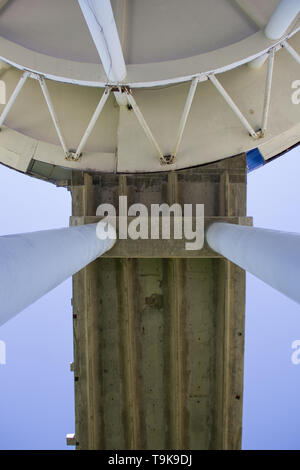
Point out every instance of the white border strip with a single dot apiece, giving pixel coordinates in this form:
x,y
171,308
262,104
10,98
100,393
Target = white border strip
x,y
164,82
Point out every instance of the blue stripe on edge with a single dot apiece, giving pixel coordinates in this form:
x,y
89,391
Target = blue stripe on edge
x,y
254,159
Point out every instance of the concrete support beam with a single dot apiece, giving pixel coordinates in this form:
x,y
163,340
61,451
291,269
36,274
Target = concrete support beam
x,y
32,264
271,255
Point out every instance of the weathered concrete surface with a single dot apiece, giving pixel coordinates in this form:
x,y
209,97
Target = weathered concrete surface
x,y
158,342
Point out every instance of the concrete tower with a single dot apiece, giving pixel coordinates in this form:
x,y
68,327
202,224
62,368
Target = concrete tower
x,y
164,102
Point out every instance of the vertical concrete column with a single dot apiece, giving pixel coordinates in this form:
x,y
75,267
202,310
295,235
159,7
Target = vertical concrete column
x,y
158,341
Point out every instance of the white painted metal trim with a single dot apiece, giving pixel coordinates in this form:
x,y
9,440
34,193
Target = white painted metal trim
x,y
185,115
291,51
92,123
268,92
52,113
13,97
139,115
144,124
202,76
233,106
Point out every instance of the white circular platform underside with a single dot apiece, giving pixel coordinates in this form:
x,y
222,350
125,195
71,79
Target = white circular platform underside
x,y
160,88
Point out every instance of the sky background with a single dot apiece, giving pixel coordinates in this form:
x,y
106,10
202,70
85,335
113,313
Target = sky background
x,y
36,385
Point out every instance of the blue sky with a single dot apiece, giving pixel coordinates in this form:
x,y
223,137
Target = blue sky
x,y
36,385
272,381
